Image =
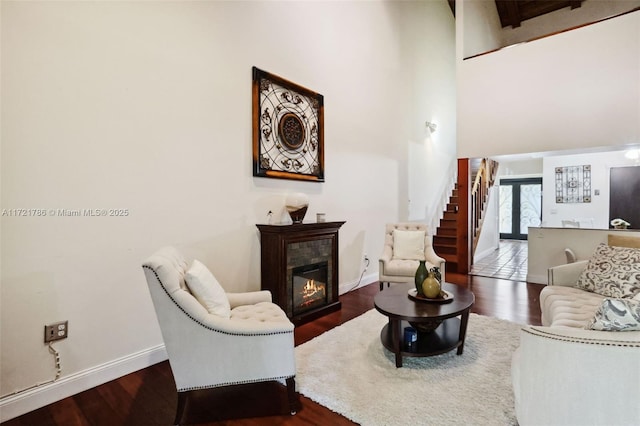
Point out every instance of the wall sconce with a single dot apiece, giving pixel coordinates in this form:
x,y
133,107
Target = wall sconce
x,y
431,126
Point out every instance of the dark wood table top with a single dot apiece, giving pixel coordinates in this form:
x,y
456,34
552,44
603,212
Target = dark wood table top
x,y
395,303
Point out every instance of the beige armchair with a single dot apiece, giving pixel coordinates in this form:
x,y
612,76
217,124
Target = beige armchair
x,y
398,264
252,341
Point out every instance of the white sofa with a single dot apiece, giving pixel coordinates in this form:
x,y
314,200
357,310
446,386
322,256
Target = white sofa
x,y
564,374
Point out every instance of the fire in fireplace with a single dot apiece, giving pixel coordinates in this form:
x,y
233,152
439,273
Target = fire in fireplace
x,y
309,287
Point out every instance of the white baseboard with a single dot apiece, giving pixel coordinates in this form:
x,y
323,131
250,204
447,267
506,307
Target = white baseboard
x,y
12,406
537,279
479,256
352,285
15,405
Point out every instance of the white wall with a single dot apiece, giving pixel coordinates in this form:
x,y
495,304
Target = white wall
x,y
578,89
146,106
598,209
489,239
482,28
520,168
431,158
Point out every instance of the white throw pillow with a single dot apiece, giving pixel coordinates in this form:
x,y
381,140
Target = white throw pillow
x,y
617,315
206,288
408,244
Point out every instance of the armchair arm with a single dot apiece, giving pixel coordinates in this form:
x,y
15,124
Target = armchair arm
x,y
387,254
385,257
248,298
567,274
431,257
557,372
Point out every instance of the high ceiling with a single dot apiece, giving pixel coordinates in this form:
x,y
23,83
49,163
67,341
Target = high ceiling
x,y
513,12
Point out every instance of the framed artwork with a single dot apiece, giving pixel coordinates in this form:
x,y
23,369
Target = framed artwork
x,y
288,129
573,184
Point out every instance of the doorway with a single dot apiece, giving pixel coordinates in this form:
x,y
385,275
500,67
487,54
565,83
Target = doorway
x,y
520,207
623,199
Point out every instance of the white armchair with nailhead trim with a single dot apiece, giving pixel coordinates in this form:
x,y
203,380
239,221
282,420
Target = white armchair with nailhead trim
x,y
253,343
394,267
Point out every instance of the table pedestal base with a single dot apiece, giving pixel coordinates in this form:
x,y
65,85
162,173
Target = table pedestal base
x,y
448,336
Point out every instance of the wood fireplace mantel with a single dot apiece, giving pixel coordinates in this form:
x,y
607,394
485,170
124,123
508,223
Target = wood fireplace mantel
x,y
279,243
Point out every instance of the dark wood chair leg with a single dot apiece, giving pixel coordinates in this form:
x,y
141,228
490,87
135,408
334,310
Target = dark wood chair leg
x,y
182,402
294,403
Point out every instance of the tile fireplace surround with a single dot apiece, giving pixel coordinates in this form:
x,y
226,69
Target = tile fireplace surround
x,y
285,248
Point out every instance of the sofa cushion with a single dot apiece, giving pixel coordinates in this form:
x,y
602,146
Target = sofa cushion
x,y
617,315
206,288
612,272
568,306
408,245
403,267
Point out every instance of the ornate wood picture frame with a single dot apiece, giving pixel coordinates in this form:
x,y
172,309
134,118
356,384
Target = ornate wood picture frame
x,y
288,129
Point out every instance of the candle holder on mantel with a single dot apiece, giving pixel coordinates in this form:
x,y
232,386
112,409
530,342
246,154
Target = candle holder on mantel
x,y
296,205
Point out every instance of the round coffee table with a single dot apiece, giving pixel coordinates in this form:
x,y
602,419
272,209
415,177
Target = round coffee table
x,y
395,303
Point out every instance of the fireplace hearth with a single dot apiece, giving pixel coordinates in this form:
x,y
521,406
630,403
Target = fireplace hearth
x,y
300,268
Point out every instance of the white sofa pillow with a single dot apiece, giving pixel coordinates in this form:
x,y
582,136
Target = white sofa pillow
x,y
206,288
408,244
617,315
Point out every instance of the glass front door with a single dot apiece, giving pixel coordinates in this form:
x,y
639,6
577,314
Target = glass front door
x,y
520,207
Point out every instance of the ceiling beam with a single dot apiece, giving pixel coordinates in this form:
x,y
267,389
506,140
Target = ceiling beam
x,y
575,4
513,12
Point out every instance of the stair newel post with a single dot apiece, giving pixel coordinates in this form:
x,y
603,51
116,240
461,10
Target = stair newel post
x,y
464,216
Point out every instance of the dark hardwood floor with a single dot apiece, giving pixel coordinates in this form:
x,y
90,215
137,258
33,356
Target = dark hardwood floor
x,y
148,396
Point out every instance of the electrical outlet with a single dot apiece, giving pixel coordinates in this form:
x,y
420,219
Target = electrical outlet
x,y
56,331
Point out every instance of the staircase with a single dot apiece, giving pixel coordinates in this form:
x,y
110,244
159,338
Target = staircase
x,y
457,236
445,239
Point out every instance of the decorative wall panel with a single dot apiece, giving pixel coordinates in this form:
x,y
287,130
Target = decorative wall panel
x,y
573,184
288,134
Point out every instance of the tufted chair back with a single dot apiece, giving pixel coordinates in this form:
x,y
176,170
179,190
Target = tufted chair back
x,y
407,226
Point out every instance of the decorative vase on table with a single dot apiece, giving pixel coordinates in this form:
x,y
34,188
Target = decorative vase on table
x,y
431,286
296,205
421,274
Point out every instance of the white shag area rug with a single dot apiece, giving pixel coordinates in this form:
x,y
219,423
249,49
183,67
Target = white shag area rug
x,y
348,371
